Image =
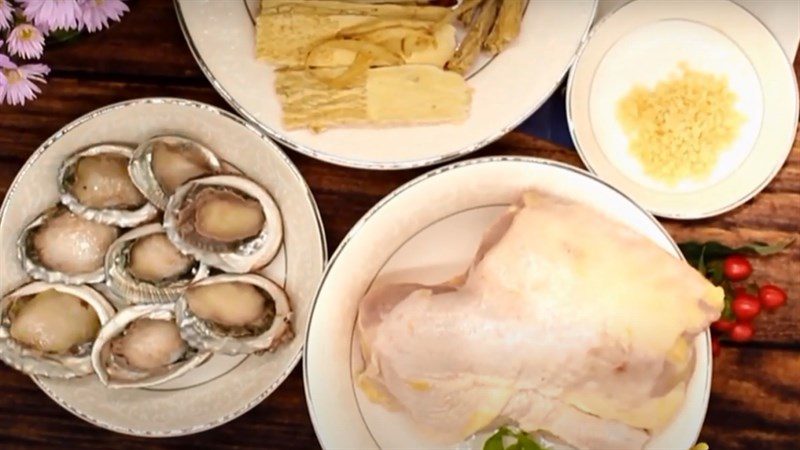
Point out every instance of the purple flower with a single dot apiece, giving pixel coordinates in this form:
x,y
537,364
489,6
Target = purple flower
x,y
52,14
6,14
18,83
26,40
96,13
4,61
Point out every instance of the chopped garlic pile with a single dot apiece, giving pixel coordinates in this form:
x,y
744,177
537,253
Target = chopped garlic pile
x,y
678,130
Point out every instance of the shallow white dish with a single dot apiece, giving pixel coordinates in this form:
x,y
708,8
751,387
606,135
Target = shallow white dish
x,y
642,42
427,231
507,89
225,387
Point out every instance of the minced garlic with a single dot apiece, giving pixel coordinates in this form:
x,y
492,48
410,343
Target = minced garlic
x,y
678,130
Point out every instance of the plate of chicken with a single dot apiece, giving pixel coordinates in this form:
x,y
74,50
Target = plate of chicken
x,y
509,298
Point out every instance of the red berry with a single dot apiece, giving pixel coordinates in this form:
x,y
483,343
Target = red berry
x,y
716,346
771,296
736,268
742,331
723,325
746,307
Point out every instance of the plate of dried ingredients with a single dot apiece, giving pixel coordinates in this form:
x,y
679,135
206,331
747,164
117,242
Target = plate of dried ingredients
x,y
689,107
385,84
160,257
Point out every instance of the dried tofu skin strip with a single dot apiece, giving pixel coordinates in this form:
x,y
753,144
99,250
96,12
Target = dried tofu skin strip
x,y
408,2
310,102
416,94
294,40
373,49
330,7
286,39
351,74
429,95
377,24
378,54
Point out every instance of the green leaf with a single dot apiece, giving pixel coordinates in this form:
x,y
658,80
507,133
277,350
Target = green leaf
x,y
727,310
762,249
61,35
523,440
693,251
495,442
527,443
701,262
715,272
505,431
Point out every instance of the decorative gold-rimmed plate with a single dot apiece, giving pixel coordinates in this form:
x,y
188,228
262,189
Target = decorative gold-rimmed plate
x,y
224,387
507,89
426,231
642,43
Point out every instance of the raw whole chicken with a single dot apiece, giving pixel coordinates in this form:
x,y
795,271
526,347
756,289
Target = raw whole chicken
x,y
566,322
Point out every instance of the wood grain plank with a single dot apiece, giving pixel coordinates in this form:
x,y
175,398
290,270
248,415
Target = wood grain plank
x,y
147,43
754,405
31,420
754,401
788,179
66,99
8,170
783,269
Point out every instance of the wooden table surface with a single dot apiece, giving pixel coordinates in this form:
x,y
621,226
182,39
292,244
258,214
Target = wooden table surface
x,y
755,401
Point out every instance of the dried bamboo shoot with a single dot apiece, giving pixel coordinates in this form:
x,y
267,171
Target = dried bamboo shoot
x,y
470,47
506,27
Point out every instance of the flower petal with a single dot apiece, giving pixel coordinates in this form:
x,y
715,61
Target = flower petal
x,y
6,15
26,41
6,63
20,83
52,14
97,13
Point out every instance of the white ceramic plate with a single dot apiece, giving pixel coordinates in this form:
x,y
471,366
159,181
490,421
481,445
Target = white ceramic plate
x,y
426,231
642,43
225,387
507,90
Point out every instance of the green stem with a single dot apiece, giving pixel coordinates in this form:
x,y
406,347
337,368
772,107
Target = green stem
x,y
61,36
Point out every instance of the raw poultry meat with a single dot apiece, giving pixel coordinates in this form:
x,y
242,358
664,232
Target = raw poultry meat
x,y
566,322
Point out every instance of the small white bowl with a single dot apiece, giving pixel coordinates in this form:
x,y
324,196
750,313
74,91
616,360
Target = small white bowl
x,y
642,43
